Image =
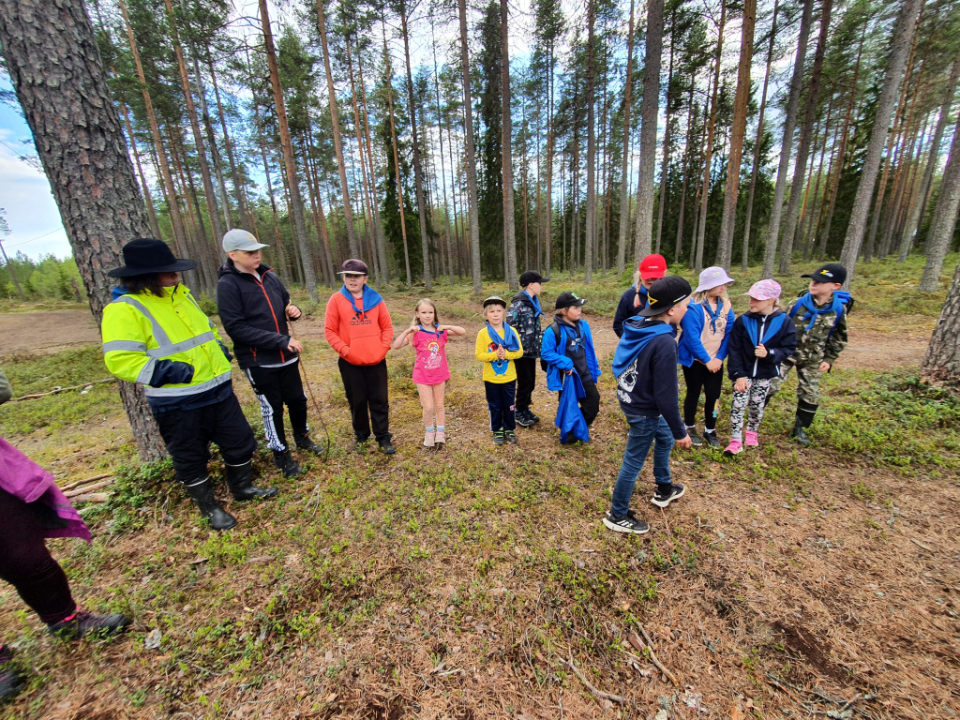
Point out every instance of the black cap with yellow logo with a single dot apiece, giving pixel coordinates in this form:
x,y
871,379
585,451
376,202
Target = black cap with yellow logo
x,y
829,273
664,294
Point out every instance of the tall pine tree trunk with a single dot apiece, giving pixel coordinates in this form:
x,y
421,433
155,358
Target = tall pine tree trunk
x,y
758,144
246,221
50,52
624,168
648,129
211,138
509,226
893,76
289,161
737,132
665,168
678,246
786,145
472,203
806,140
708,154
151,213
591,208
396,160
943,224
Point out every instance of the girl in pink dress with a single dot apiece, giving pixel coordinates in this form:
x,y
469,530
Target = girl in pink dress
x,y
430,370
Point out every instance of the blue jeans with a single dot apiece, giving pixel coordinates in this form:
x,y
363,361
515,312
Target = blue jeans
x,y
643,432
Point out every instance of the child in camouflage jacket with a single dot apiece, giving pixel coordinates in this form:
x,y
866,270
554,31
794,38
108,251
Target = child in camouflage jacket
x,y
820,317
524,317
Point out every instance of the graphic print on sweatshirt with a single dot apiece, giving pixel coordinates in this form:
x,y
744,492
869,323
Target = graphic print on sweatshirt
x,y
499,366
627,382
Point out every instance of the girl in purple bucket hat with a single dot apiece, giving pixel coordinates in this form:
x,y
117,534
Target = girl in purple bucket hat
x,y
761,339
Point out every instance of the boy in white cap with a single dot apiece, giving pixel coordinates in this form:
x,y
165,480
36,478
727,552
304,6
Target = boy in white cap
x,y
760,340
703,348
255,307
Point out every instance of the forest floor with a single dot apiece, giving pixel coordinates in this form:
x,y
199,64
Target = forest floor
x,y
469,582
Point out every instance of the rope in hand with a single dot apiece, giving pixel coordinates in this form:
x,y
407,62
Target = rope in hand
x,y
306,381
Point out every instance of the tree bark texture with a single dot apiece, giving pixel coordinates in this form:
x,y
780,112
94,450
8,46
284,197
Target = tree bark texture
x,y
590,236
708,154
51,54
786,146
472,203
509,221
624,176
648,129
944,221
893,77
942,361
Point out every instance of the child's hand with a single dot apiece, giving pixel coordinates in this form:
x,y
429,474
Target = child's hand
x,y
686,443
740,385
824,366
501,353
714,365
760,351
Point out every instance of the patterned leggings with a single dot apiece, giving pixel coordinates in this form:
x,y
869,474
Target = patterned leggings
x,y
754,397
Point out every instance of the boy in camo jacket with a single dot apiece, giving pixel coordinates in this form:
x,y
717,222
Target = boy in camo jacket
x,y
524,317
820,317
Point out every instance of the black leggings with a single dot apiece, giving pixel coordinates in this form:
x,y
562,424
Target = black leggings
x,y
698,378
26,563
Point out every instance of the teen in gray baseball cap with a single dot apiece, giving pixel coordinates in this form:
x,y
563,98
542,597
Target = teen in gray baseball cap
x,y
238,239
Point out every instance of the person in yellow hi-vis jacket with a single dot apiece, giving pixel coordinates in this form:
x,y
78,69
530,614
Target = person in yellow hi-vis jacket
x,y
155,334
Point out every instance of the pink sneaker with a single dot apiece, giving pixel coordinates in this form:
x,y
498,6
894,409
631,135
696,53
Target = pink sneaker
x,y
440,439
429,439
751,439
734,448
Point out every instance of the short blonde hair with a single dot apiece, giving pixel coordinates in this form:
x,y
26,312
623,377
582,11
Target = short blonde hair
x,y
431,303
700,297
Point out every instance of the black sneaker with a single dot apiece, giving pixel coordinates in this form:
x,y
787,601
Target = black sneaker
x,y
694,437
11,682
664,496
524,418
534,418
711,439
386,447
498,438
84,623
511,437
304,442
628,523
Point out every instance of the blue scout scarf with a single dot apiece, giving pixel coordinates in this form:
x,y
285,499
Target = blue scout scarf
x,y
421,328
569,416
636,336
714,314
535,301
752,326
510,341
371,298
840,298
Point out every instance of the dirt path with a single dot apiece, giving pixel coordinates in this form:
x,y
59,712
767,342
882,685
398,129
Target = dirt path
x,y
46,332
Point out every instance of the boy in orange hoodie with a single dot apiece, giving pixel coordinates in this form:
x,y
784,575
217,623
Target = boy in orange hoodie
x,y
357,325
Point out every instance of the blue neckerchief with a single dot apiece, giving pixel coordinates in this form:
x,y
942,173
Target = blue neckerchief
x,y
840,297
641,290
371,298
421,328
119,291
575,328
636,336
773,325
535,301
509,341
713,314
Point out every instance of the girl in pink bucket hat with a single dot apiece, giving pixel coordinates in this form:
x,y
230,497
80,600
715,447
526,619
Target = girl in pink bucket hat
x,y
702,349
761,339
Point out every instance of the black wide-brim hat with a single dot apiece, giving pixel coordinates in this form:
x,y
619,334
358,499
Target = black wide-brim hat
x,y
144,256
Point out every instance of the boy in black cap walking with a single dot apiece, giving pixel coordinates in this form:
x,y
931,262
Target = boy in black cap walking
x,y
645,366
524,317
820,317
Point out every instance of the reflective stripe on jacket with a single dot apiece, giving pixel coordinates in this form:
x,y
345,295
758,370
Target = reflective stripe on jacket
x,y
140,330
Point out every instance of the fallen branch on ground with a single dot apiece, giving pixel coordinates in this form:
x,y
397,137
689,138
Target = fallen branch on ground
x,y
88,488
63,389
92,497
596,693
653,657
78,483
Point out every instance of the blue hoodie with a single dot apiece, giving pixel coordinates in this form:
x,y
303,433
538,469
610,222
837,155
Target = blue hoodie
x,y
690,347
556,356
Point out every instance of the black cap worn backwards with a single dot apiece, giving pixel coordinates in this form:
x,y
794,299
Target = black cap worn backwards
x,y
531,276
568,299
664,294
829,273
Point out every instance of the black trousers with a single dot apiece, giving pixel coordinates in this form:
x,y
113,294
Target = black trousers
x,y
501,400
366,388
526,381
698,378
26,563
188,434
274,388
590,403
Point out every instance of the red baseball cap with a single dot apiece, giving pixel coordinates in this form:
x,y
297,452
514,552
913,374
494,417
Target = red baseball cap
x,y
652,266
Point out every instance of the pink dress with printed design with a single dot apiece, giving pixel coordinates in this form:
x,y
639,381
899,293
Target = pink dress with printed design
x,y
430,367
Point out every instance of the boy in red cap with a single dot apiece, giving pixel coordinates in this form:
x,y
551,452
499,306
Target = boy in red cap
x,y
651,269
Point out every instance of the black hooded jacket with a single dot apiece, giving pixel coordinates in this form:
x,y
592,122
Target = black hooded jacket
x,y
254,315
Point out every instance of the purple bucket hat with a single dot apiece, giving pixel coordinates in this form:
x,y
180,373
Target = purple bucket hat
x,y
711,277
764,290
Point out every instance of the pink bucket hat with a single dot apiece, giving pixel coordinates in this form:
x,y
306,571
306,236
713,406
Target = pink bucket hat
x,y
764,290
711,277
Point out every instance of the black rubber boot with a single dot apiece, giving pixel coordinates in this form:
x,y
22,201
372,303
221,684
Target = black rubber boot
x,y
286,464
798,433
11,682
201,492
83,623
805,414
304,442
240,481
